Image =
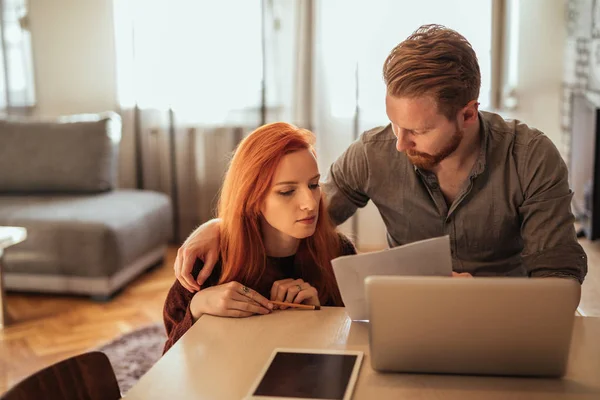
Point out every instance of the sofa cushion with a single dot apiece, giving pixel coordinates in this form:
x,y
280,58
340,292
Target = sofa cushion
x,y
70,154
85,235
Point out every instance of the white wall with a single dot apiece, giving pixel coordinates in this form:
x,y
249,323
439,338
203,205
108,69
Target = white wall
x,y
73,55
541,40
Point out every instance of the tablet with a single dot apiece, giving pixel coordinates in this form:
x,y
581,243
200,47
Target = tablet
x,y
308,374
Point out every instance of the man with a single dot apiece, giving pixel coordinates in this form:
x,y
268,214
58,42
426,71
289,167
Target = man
x,y
498,188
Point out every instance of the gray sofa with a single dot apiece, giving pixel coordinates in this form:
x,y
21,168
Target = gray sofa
x,y
58,179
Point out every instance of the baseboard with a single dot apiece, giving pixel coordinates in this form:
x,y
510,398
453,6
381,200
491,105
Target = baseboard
x,y
102,286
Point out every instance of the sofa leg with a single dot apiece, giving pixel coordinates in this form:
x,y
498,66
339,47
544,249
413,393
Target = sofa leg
x,y
105,298
102,298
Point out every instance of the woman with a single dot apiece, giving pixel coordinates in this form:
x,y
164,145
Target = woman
x,y
276,238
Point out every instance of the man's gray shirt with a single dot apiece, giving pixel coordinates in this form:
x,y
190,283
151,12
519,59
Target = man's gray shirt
x,y
512,216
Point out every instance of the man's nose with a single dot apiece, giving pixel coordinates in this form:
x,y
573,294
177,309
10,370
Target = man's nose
x,y
403,142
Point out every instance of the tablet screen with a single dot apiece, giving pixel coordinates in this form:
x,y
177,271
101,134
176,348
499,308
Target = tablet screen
x,y
308,375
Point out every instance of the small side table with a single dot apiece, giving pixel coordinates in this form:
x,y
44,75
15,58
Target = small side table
x,y
9,235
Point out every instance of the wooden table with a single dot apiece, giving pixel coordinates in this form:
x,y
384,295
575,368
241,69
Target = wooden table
x,y
9,235
219,358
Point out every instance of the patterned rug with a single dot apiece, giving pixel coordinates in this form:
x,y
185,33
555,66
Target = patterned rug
x,y
132,354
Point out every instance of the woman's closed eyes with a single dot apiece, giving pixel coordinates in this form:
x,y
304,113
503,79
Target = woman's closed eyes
x,y
312,186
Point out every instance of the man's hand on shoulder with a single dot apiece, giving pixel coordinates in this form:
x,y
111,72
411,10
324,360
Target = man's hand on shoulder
x,y
203,243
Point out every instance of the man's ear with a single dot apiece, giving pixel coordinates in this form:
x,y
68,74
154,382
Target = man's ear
x,y
470,112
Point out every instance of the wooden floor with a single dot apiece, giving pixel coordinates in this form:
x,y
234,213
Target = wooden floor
x,y
47,329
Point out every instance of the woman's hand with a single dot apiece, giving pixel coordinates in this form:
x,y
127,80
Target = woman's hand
x,y
294,291
229,300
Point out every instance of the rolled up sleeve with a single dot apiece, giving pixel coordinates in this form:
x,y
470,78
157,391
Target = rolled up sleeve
x,y
550,243
346,183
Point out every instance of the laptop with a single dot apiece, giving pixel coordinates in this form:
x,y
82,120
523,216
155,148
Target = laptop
x,y
480,326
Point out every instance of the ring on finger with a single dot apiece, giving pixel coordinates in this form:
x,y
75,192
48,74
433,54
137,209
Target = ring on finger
x,y
245,289
299,287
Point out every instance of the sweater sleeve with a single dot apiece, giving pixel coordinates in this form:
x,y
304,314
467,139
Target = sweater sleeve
x,y
177,315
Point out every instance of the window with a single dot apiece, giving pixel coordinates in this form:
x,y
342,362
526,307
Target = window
x,y
16,67
355,47
201,58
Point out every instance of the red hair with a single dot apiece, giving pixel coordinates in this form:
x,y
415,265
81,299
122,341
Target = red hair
x,y
246,185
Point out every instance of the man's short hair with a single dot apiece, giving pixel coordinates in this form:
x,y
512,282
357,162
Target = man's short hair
x,y
434,61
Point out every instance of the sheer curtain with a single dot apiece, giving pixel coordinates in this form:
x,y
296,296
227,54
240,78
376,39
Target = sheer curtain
x,y
194,77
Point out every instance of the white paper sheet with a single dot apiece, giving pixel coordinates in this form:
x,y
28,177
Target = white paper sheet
x,y
429,257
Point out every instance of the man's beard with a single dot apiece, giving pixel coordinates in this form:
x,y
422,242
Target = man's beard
x,y
428,161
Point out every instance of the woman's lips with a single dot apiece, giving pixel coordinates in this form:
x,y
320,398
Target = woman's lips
x,y
307,221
